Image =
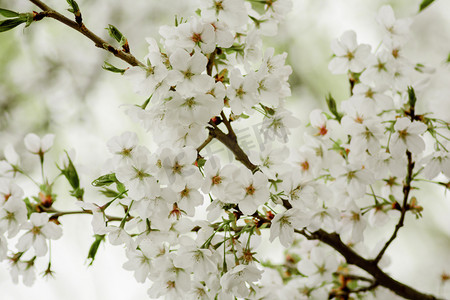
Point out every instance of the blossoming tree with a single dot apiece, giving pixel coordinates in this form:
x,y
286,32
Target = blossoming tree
x,y
190,222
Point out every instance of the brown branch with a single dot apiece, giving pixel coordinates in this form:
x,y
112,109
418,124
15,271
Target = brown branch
x,y
99,42
204,144
334,240
234,147
227,123
404,209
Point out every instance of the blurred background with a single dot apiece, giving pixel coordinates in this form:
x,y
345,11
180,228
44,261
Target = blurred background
x,y
51,81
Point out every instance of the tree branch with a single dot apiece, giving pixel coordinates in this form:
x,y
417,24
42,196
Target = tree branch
x,y
334,240
234,147
404,209
99,42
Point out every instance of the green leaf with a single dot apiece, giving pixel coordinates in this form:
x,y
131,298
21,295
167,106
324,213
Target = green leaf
x,y
109,67
448,58
77,193
9,24
412,97
71,174
331,103
8,13
110,193
425,4
105,180
116,34
201,162
94,248
74,8
120,187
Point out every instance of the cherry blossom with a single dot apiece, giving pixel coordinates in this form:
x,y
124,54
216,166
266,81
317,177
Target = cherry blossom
x,y
39,230
349,55
39,146
407,137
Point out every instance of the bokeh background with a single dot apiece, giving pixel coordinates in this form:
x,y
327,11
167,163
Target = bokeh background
x,y
51,81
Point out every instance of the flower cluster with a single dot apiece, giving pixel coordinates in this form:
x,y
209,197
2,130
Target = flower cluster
x,y
193,224
19,218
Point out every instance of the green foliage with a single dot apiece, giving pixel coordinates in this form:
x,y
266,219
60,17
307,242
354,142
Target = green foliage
x,y
9,24
74,8
425,4
9,13
116,34
109,67
72,177
94,248
412,97
331,103
105,180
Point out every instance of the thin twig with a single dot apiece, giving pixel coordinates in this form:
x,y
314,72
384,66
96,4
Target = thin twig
x,y
99,42
404,209
205,143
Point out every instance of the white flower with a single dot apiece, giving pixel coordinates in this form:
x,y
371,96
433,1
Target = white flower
x,y
234,281
299,191
9,166
278,8
98,216
176,165
255,191
139,260
407,137
189,197
436,163
323,218
379,71
9,191
354,178
138,175
219,181
123,146
187,71
39,231
352,224
271,160
223,36
349,55
168,280
394,29
39,146
200,261
241,92
365,135
196,34
118,236
374,96
319,123
277,125
231,12
147,79
283,225
319,267
196,108
12,215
